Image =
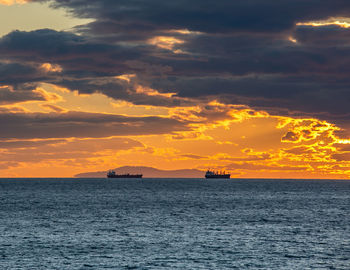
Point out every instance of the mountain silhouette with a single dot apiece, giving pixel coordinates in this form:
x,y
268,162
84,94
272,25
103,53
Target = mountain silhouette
x,y
148,172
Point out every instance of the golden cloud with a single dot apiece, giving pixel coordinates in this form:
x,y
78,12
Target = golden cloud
x,y
166,42
51,68
50,97
53,108
247,142
306,130
341,22
152,92
183,32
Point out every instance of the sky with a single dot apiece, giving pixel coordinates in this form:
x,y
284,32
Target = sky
x,y
257,88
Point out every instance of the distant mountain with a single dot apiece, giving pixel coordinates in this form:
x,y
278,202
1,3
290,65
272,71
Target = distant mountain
x,y
148,172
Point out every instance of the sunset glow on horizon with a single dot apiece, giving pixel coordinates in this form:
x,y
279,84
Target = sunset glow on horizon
x,y
267,100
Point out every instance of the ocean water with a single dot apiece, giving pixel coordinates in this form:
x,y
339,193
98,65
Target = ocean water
x,y
174,224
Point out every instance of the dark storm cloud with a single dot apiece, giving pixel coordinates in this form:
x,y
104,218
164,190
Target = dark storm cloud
x,y
323,36
294,93
118,89
241,53
74,52
17,74
8,96
202,15
79,124
87,66
47,44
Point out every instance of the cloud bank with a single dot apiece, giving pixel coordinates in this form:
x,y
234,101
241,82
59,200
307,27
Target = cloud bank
x,y
286,58
257,53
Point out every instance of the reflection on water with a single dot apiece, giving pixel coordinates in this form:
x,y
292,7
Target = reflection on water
x,y
174,224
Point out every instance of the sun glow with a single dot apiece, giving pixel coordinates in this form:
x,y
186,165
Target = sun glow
x,y
343,141
235,138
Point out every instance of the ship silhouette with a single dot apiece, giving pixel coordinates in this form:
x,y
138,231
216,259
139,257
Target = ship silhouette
x,y
217,174
112,174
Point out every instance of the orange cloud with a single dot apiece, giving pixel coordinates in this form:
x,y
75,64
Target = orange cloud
x,y
51,68
51,97
235,138
345,156
152,92
183,32
53,108
126,77
166,42
68,155
306,130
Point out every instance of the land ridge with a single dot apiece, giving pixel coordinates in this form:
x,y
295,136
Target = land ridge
x,y
147,172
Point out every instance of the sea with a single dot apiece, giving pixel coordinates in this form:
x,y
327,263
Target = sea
x,y
174,224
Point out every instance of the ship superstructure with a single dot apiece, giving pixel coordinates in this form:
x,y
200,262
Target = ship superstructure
x,y
217,174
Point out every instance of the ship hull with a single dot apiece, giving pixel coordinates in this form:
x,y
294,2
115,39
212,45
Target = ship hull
x,y
125,176
223,176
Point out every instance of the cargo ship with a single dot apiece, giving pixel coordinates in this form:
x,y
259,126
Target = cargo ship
x,y
112,174
213,174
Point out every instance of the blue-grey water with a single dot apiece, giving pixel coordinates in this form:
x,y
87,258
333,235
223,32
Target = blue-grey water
x,y
174,224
